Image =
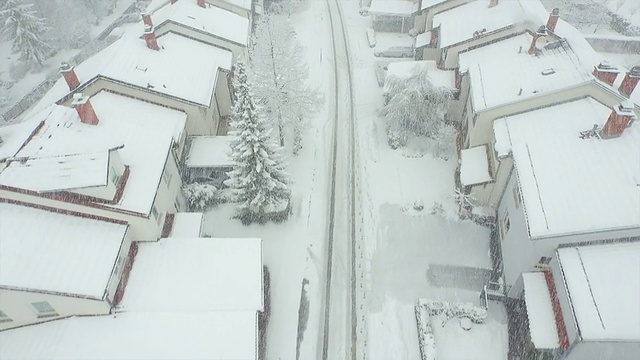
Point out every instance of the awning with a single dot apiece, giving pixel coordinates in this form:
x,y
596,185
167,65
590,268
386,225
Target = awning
x,y
474,166
542,323
209,152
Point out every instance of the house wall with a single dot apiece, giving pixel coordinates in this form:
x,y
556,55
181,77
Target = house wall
x,y
563,298
449,55
17,306
114,281
599,350
237,50
520,253
223,95
169,192
106,192
429,13
201,120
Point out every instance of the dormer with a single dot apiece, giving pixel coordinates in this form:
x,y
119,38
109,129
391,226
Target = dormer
x,y
112,180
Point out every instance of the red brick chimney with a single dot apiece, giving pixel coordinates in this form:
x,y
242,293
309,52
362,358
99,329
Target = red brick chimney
x,y
150,38
621,117
201,3
630,81
146,19
606,72
493,3
542,32
85,111
554,15
69,75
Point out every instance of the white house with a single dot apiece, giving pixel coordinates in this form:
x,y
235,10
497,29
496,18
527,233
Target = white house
x,y
56,263
574,180
584,306
209,24
548,75
186,298
112,156
155,70
485,22
428,8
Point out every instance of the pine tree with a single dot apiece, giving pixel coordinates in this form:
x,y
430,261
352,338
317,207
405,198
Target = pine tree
x,y
258,179
21,25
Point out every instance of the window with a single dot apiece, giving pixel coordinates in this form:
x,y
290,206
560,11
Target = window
x,y
516,196
113,175
545,260
505,225
43,309
4,318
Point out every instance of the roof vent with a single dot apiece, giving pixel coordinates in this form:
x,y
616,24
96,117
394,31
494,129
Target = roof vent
x,y
548,71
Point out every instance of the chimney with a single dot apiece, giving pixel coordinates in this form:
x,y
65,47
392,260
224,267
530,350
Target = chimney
x,y
493,3
621,117
201,3
69,75
174,1
146,19
553,19
85,111
606,72
542,31
150,38
630,81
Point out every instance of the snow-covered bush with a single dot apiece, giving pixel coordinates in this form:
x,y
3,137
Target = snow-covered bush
x,y
456,309
397,136
426,339
200,196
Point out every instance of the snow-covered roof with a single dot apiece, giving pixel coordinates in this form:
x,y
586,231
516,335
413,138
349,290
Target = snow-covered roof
x,y
542,323
209,151
14,136
554,68
187,224
502,146
56,173
423,39
213,20
167,71
156,4
147,132
48,251
438,77
603,283
474,166
196,274
392,7
596,181
429,3
137,336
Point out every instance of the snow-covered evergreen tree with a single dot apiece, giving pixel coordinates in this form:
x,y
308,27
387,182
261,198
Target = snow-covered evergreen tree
x,y
25,28
280,76
414,105
258,180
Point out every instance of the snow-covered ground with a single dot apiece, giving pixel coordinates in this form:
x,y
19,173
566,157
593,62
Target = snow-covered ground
x,y
22,85
591,16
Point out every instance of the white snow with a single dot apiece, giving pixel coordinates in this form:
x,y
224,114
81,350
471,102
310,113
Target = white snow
x,y
502,145
167,71
489,65
187,225
51,252
559,173
474,166
478,15
55,173
137,336
392,7
146,130
603,283
542,323
423,39
14,136
438,77
213,20
424,4
196,275
209,151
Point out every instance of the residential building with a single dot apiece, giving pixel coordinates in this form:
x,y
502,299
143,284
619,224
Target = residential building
x,y
574,180
212,25
429,8
540,76
194,298
584,305
56,263
249,9
392,15
156,70
111,157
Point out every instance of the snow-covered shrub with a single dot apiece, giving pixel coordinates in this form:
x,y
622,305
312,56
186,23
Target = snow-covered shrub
x,y
200,196
456,309
426,340
397,137
445,143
